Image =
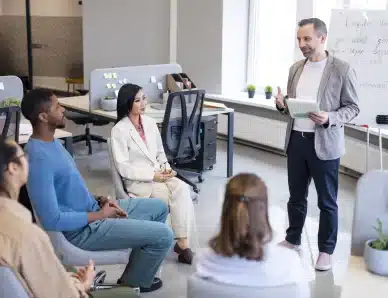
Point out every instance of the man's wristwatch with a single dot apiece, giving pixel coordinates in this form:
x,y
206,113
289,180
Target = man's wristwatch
x,y
99,200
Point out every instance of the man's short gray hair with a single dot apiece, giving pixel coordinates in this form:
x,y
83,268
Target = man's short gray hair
x,y
319,25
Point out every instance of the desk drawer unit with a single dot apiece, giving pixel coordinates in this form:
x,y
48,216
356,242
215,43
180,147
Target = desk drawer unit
x,y
208,152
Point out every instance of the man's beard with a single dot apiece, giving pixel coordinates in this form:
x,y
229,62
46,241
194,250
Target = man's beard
x,y
307,52
61,125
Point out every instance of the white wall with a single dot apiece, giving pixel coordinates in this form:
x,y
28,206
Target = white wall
x,y
199,42
52,8
128,33
212,42
234,45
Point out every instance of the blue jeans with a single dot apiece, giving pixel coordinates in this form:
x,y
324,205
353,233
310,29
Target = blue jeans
x,y
303,164
145,232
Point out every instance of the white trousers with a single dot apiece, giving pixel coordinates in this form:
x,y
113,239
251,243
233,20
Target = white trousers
x,y
176,194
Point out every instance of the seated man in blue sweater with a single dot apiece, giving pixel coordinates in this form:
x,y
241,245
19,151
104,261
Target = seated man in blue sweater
x,y
63,203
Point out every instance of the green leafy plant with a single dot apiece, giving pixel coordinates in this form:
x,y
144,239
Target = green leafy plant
x,y
268,89
382,242
10,102
251,87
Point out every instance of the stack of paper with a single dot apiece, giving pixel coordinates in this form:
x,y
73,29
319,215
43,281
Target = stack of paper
x,y
212,104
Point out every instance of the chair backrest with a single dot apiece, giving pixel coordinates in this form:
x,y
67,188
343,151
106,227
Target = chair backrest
x,y
181,125
198,287
117,180
10,122
10,284
371,204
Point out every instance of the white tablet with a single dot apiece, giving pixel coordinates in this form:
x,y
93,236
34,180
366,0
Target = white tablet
x,y
300,108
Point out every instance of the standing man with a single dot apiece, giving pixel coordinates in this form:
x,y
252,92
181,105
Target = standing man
x,y
314,145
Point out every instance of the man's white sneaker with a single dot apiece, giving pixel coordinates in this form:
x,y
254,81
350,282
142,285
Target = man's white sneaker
x,y
287,244
323,262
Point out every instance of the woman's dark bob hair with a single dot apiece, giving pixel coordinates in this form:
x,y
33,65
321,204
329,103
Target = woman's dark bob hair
x,y
125,99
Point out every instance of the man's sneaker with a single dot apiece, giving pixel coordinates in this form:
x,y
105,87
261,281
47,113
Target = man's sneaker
x,y
323,262
156,285
287,244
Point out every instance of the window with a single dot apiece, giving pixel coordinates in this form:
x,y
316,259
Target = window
x,y
272,34
272,42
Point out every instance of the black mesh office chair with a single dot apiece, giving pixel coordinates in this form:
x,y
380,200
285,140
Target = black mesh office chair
x,y
181,131
82,119
10,122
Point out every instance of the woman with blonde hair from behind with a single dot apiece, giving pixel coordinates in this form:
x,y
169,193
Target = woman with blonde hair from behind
x,y
243,253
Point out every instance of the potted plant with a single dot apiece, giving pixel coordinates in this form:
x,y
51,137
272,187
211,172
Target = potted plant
x,y
251,90
108,103
268,92
376,252
9,102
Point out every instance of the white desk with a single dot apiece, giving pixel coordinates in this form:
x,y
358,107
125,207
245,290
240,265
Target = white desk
x,y
361,283
80,104
64,135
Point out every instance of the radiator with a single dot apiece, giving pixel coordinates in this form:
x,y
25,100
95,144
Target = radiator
x,y
255,129
272,133
355,156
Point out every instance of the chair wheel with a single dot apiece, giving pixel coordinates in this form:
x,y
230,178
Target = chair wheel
x,y
195,189
200,179
211,168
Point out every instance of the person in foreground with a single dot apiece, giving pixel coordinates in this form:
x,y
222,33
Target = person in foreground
x,y
139,156
314,145
243,253
26,248
62,202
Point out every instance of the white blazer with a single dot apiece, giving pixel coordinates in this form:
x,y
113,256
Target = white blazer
x,y
135,160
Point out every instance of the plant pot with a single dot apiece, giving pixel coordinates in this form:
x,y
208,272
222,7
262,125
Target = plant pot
x,y
108,104
376,260
268,95
251,93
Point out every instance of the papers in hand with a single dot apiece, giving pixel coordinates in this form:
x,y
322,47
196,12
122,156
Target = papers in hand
x,y
300,108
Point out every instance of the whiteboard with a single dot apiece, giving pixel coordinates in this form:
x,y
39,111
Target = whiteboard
x,y
360,37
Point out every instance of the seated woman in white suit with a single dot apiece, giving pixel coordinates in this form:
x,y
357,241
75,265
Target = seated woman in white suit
x,y
139,156
243,253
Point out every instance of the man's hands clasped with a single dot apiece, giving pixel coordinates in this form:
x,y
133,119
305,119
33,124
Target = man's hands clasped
x,y
110,209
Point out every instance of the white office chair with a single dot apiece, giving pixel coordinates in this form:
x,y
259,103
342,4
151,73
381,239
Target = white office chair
x,y
371,204
118,183
116,178
71,255
198,287
10,285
